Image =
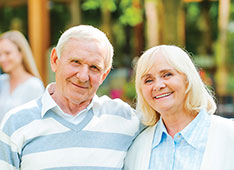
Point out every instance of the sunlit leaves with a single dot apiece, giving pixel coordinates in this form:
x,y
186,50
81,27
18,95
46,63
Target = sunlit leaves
x,y
95,4
129,14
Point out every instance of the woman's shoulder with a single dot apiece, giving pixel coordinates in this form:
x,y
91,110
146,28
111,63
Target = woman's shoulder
x,y
34,81
4,77
138,155
33,84
223,126
222,121
144,138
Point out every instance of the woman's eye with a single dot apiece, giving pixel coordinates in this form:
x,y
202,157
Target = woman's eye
x,y
148,80
8,53
167,75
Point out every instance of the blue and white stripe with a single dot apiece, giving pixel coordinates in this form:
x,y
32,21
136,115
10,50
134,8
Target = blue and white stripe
x,y
29,141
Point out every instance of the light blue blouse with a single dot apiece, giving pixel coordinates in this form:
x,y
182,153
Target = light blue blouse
x,y
28,90
183,152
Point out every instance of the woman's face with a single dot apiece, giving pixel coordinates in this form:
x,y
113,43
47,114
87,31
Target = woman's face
x,y
10,56
163,87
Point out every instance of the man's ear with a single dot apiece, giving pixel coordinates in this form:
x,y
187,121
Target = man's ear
x,y
105,74
54,60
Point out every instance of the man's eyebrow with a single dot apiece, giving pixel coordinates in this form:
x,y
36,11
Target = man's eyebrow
x,y
98,64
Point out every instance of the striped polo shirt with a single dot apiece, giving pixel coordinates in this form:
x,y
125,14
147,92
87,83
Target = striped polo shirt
x,y
33,137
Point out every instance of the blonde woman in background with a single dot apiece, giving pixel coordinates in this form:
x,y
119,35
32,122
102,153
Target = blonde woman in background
x,y
183,133
21,81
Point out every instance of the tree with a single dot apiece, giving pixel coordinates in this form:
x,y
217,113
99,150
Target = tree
x,y
221,55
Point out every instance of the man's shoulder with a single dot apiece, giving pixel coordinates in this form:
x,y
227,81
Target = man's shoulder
x,y
103,99
115,107
22,114
30,106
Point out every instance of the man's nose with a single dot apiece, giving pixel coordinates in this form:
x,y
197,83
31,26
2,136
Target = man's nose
x,y
83,74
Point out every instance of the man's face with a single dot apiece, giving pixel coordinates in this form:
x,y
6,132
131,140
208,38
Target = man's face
x,y
80,70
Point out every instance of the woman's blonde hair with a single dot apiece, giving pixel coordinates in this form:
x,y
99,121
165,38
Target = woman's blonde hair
x,y
20,41
198,96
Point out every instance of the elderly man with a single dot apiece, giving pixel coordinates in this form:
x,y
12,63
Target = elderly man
x,y
70,127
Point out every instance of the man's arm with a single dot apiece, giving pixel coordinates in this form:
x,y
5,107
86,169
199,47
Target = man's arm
x,y
9,157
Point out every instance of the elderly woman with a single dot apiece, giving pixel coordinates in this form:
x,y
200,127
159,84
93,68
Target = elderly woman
x,y
183,133
20,82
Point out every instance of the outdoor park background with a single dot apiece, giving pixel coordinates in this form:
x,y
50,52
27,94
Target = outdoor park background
x,y
205,28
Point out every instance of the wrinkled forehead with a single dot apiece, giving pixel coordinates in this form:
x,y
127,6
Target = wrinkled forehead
x,y
99,45
91,48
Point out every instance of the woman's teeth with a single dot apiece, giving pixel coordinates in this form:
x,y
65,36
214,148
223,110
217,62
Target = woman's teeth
x,y
163,95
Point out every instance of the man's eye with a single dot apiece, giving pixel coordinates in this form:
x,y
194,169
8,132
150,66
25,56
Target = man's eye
x,y
93,67
76,61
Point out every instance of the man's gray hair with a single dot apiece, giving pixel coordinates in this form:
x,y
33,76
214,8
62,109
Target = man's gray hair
x,y
86,32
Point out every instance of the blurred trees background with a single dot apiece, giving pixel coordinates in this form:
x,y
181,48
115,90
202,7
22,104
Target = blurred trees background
x,y
204,27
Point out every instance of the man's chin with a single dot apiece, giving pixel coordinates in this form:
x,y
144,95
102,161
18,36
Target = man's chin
x,y
80,98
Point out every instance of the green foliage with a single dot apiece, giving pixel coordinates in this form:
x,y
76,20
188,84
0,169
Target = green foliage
x,y
58,22
91,5
110,5
195,25
8,14
193,12
131,16
232,12
129,90
214,10
230,51
97,4
230,42
230,83
125,3
192,23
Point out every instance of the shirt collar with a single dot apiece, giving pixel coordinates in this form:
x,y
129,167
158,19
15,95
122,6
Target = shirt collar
x,y
160,129
190,133
95,105
48,102
193,130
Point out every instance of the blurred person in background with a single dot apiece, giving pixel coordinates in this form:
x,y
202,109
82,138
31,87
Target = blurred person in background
x,y
183,133
21,81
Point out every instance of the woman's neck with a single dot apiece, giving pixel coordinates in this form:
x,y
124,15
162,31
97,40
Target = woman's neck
x,y
177,122
18,76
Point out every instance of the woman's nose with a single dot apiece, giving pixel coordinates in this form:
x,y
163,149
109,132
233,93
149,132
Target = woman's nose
x,y
158,85
2,57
